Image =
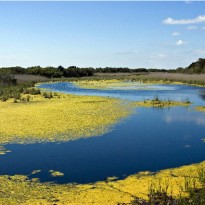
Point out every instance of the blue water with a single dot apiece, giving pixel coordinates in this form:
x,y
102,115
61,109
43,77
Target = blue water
x,y
150,139
173,92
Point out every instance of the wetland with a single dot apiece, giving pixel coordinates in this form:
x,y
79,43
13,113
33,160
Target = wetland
x,y
105,135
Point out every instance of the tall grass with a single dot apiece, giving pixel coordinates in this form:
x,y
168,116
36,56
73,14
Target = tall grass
x,y
197,79
158,195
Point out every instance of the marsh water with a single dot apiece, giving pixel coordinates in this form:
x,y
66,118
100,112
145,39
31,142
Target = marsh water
x,y
148,140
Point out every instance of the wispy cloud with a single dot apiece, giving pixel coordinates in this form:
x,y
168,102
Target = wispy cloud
x,y
159,56
171,21
176,34
192,27
203,28
180,43
127,52
200,51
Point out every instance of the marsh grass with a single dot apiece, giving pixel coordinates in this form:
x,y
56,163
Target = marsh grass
x,y
192,192
157,77
25,81
179,186
198,79
156,102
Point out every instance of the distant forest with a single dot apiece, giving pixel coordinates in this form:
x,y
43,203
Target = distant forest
x,y
73,71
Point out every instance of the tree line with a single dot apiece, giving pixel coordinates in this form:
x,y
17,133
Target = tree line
x,y
50,72
195,67
74,71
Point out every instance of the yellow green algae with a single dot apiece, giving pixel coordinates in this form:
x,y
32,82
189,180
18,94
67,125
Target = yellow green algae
x,y
64,117
19,189
35,171
109,84
100,84
56,173
60,118
3,150
160,103
200,108
120,84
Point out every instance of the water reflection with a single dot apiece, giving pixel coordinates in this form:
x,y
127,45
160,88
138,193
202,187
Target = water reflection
x,y
202,95
191,116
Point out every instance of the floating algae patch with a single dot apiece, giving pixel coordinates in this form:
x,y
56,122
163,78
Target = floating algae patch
x,y
160,103
56,173
122,85
97,84
35,172
60,118
200,108
18,189
3,150
113,84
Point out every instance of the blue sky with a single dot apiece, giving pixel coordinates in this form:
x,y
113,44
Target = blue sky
x,y
98,34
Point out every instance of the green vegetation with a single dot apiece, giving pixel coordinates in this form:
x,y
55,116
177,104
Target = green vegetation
x,y
50,72
7,80
15,91
196,67
120,70
73,71
10,92
192,192
158,103
10,87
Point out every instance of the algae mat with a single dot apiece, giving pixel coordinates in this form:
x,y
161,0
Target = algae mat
x,y
127,84
19,190
62,118
200,108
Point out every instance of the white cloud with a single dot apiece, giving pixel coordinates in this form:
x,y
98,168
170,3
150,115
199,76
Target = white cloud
x,y
200,51
159,56
127,52
203,28
180,42
162,55
171,21
176,34
192,27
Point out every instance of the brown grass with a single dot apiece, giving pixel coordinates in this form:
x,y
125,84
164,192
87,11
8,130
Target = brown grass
x,y
155,76
22,78
178,76
198,79
118,74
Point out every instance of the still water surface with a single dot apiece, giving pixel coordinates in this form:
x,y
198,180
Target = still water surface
x,y
149,139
